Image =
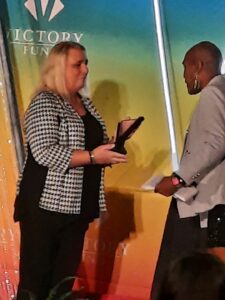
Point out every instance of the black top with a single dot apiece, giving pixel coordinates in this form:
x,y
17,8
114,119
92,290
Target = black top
x,y
92,173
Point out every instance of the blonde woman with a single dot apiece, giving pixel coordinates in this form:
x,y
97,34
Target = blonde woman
x,y
61,188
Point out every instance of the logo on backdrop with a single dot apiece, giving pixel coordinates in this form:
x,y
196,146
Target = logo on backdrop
x,y
55,9
39,42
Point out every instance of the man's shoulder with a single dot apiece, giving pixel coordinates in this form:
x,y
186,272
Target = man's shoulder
x,y
214,90
216,82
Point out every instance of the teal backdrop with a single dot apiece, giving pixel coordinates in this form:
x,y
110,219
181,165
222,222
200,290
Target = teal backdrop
x,y
124,80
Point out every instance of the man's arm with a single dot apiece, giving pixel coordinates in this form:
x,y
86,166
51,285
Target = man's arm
x,y
206,149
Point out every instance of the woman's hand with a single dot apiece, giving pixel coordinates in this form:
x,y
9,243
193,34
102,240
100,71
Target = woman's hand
x,y
105,156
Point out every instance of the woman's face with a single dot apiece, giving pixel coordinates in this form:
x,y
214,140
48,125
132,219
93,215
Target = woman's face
x,y
76,70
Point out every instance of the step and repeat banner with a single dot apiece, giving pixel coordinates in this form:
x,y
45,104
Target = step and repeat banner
x,y
120,252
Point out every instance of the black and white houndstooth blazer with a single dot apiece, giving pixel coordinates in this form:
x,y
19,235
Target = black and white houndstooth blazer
x,y
54,130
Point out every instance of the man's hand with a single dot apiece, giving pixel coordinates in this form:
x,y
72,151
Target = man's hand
x,y
166,187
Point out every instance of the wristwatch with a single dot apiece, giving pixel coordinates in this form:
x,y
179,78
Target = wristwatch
x,y
177,180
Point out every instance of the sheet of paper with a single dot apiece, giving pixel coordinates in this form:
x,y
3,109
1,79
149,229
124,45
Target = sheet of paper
x,y
152,182
185,194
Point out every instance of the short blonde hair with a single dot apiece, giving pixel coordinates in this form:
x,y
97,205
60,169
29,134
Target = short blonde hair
x,y
52,75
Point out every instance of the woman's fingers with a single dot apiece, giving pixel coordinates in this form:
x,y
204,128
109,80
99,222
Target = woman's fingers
x,y
104,155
